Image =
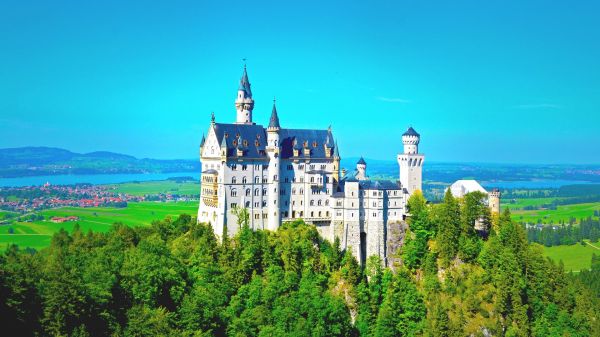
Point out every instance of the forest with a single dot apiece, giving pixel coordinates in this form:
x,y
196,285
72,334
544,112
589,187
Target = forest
x,y
463,272
565,234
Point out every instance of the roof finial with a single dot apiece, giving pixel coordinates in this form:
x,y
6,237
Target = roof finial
x,y
212,117
244,59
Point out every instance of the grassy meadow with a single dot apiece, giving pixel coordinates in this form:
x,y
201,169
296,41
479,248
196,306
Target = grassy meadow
x,y
561,213
157,187
516,204
575,257
37,234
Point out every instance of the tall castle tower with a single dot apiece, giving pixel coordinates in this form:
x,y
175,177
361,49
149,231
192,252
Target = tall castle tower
x,y
494,201
411,162
273,151
244,104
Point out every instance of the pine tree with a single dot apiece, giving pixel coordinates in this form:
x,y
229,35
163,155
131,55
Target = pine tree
x,y
448,233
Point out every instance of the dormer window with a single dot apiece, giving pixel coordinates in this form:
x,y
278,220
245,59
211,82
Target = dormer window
x,y
226,135
314,144
256,143
245,142
234,143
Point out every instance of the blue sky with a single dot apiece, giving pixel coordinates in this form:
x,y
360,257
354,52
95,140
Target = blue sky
x,y
493,81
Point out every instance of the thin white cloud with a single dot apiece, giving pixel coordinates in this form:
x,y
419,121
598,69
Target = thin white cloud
x,y
538,106
392,99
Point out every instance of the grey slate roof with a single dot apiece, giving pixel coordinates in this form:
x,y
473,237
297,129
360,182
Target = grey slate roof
x,y
379,185
249,132
288,136
245,84
274,121
370,184
411,132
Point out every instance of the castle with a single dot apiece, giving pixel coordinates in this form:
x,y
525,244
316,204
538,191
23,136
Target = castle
x,y
279,174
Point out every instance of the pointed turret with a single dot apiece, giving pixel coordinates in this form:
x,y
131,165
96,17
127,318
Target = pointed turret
x,y
224,146
336,152
361,169
244,104
245,84
274,121
203,141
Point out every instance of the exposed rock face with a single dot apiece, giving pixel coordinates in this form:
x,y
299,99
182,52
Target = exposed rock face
x,y
396,232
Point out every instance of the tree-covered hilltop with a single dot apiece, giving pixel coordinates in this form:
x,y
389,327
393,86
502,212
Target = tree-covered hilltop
x,y
464,274
40,161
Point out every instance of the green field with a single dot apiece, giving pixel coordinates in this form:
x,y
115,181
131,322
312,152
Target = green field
x,y
3,214
562,212
156,187
515,204
575,257
37,234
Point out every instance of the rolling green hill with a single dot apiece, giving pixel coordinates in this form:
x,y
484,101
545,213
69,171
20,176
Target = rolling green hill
x,y
36,161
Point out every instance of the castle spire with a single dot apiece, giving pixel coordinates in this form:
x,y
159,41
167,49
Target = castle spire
x,y
244,104
274,121
245,83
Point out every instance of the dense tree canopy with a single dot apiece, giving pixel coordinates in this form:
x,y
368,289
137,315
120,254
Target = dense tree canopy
x,y
462,274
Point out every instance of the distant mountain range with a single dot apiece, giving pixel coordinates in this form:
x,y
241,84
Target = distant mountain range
x,y
36,161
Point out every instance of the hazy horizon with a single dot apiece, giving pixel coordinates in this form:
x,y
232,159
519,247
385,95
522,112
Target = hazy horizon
x,y
505,83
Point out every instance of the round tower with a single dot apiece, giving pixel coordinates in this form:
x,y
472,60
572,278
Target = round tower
x,y
494,201
411,140
411,162
361,168
273,151
244,104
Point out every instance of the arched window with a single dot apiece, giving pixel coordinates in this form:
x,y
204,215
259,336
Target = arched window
x,y
233,180
247,192
312,202
301,191
256,179
244,180
256,192
319,203
233,192
264,191
247,204
326,202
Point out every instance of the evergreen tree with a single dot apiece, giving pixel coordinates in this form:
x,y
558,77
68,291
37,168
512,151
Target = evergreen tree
x,y
449,229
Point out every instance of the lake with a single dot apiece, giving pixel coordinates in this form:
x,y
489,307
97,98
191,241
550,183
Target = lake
x,y
541,183
96,179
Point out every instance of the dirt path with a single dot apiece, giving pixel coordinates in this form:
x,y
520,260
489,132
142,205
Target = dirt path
x,y
587,242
